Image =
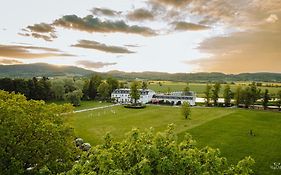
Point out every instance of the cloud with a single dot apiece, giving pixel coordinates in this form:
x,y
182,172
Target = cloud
x,y
30,52
91,24
42,31
101,47
105,12
242,52
9,61
41,28
272,18
140,15
45,37
175,3
188,26
91,64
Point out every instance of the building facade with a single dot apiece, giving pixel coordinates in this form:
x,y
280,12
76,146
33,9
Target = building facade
x,y
123,96
176,98
146,95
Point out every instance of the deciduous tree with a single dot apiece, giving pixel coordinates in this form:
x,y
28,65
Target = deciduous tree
x,y
33,136
227,95
185,109
104,91
207,93
215,94
148,153
135,93
265,99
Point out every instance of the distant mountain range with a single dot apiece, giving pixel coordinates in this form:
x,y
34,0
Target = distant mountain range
x,y
48,70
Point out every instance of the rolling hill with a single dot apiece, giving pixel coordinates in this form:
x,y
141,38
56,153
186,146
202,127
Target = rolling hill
x,y
48,70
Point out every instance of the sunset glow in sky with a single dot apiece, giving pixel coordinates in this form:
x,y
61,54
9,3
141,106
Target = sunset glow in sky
x,y
229,36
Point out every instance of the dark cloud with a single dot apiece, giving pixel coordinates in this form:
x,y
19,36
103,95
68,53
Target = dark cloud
x,y
41,31
44,37
140,15
91,64
41,28
101,47
105,12
30,52
132,45
9,61
91,24
188,26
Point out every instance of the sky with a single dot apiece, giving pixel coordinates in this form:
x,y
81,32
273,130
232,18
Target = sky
x,y
229,36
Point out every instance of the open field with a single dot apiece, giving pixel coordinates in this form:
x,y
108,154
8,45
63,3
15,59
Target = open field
x,y
84,104
199,88
226,129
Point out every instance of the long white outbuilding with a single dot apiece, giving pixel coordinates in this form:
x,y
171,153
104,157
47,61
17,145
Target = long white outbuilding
x,y
147,95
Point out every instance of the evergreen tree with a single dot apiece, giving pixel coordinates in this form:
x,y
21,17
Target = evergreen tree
x,y
93,86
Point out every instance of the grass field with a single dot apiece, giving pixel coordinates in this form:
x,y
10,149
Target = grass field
x,y
84,104
199,88
226,129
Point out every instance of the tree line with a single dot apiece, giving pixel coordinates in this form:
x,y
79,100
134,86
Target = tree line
x,y
70,89
246,97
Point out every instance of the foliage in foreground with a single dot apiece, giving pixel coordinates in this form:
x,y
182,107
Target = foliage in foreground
x,y
147,153
33,136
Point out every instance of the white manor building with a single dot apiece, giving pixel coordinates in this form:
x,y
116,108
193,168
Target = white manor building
x,y
176,98
123,95
147,95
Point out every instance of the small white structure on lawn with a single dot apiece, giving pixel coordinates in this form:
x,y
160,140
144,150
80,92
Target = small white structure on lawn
x,y
123,96
176,98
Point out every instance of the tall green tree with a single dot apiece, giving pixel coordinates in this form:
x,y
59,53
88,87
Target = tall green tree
x,y
34,136
69,85
144,85
113,84
86,94
185,109
237,95
215,94
135,93
266,98
186,89
104,91
93,86
74,97
246,97
58,89
227,95
279,99
254,93
208,94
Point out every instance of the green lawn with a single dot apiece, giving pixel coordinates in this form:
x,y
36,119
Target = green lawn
x,y
199,88
226,129
84,104
231,135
